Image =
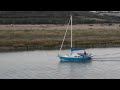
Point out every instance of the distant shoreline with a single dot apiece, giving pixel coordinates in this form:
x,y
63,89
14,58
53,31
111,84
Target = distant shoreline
x,y
96,26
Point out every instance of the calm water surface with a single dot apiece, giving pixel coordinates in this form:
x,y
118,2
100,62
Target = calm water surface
x,y
45,65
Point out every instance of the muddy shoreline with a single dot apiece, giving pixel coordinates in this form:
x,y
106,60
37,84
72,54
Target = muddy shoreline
x,y
32,48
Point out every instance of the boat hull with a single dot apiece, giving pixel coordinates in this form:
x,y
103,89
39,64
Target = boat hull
x,y
74,58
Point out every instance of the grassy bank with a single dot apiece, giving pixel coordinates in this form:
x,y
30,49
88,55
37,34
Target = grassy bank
x,y
11,40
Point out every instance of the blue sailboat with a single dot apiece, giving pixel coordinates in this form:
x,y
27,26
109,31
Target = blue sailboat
x,y
74,56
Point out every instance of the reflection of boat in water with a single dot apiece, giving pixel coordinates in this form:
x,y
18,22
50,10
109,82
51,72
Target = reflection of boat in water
x,y
74,56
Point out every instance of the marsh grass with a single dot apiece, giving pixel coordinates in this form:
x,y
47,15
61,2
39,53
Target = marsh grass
x,y
51,39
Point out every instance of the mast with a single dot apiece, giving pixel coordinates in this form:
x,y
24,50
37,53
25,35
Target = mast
x,y
71,31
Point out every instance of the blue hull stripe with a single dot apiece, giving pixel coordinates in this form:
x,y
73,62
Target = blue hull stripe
x,y
74,59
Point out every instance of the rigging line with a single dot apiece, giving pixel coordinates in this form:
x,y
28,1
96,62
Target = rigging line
x,y
71,32
64,37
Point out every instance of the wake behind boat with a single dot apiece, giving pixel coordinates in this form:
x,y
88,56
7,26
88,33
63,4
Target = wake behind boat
x,y
74,56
